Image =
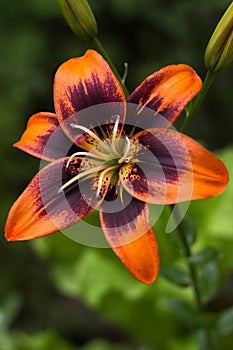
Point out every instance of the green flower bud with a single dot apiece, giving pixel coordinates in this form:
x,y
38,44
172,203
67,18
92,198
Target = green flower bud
x,y
219,51
80,18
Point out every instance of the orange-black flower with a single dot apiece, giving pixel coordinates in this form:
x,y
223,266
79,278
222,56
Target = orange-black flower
x,y
102,156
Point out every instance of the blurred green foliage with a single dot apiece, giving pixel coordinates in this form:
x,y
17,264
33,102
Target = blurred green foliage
x,y
57,294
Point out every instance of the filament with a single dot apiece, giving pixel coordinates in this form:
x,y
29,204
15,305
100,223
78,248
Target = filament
x,y
114,136
87,154
126,151
83,174
92,134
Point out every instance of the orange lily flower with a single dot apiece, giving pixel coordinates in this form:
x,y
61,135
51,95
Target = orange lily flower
x,y
114,163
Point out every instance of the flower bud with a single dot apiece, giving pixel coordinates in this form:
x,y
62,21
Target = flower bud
x,y
80,18
219,51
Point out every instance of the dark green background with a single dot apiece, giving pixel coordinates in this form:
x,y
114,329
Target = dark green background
x,y
53,292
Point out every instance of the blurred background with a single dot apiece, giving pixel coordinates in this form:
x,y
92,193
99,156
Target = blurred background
x,y
55,293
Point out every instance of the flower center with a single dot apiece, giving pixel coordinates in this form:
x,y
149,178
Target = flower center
x,y
104,159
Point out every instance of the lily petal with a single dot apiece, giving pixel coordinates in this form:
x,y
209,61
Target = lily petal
x,y
167,91
85,82
43,208
131,237
172,168
43,137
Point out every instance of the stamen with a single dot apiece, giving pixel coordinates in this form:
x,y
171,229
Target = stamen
x,y
116,127
114,136
83,174
87,154
92,134
103,132
101,178
121,192
126,151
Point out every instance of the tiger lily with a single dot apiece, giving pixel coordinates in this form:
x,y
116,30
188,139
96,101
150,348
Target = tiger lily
x,y
113,164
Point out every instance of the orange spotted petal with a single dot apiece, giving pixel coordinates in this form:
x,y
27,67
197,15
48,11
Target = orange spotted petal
x,y
43,208
172,168
125,224
167,91
44,138
85,82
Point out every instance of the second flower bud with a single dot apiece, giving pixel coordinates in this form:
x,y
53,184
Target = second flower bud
x,y
79,17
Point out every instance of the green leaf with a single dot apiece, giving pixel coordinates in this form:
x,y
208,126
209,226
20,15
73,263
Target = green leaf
x,y
10,309
208,281
168,252
176,275
203,340
183,309
94,276
44,340
190,231
205,256
57,248
225,322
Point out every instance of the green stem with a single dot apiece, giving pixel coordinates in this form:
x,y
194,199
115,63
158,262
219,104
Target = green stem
x,y
192,270
195,105
193,275
105,55
188,254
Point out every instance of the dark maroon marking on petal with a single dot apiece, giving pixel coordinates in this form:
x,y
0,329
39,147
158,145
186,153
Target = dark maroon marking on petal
x,y
44,138
170,88
73,149
170,111
101,114
111,194
94,92
154,104
131,237
139,181
57,145
80,198
125,211
43,208
142,95
156,150
150,179
140,118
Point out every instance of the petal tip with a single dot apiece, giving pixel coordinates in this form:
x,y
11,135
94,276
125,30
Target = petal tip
x,y
148,277
10,235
